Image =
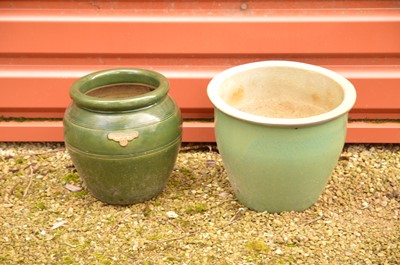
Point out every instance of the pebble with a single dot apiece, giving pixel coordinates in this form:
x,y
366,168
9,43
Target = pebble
x,y
172,214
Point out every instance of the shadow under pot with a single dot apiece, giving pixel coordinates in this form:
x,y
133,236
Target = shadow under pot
x,y
280,128
123,133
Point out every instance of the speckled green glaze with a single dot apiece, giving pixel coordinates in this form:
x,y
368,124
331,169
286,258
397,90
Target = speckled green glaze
x,y
280,163
117,172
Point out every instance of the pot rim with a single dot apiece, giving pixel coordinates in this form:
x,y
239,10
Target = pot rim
x,y
115,76
349,93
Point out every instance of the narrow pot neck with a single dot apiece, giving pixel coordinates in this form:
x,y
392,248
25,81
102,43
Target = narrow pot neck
x,y
158,83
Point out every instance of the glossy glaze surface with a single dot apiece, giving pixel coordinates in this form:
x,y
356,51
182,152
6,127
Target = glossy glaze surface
x,y
124,146
275,168
280,161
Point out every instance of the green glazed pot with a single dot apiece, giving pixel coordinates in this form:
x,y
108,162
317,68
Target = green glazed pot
x,y
280,128
123,133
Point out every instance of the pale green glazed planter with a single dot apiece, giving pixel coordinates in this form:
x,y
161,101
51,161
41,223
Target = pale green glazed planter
x,y
280,129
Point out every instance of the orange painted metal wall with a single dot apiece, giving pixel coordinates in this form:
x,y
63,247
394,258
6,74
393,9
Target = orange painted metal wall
x,y
46,45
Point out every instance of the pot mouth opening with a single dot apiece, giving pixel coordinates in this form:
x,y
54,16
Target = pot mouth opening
x,y
119,89
282,93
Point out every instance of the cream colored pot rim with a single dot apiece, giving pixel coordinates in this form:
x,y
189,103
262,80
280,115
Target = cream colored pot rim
x,y
347,103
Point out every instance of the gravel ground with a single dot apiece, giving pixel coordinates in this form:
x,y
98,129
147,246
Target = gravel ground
x,y
48,217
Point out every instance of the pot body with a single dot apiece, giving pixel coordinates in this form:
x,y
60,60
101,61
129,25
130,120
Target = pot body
x,y
123,142
274,168
283,162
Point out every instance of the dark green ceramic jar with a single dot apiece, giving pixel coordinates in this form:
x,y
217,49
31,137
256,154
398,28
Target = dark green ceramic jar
x,y
123,133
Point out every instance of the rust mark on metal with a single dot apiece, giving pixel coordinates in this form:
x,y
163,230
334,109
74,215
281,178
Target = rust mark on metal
x,y
123,138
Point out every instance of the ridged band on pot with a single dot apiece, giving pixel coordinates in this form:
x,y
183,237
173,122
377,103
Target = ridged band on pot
x,y
279,164
123,132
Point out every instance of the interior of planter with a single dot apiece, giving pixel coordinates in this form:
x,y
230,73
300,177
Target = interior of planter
x,y
118,91
281,92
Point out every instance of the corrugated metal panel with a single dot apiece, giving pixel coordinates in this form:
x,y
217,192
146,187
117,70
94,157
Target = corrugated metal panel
x,y
46,45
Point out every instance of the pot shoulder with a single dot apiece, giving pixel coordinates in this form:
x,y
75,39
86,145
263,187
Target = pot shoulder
x,y
140,130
